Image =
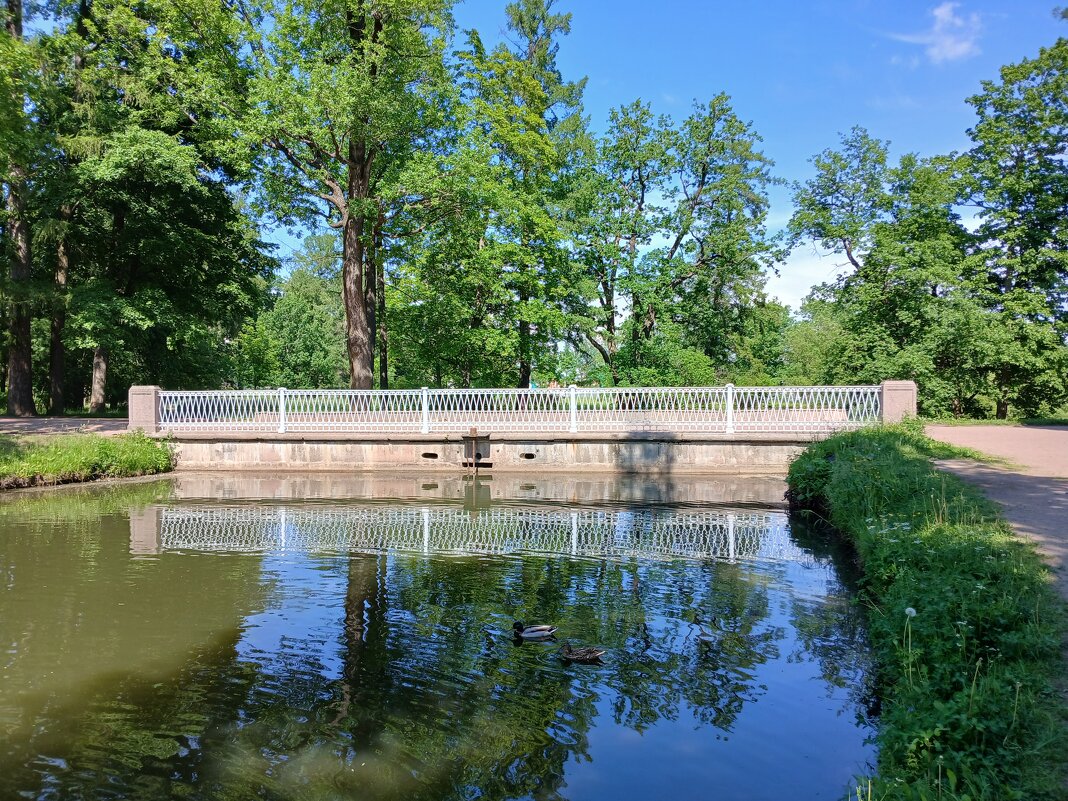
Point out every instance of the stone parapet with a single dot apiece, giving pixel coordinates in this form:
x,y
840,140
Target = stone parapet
x,y
144,409
898,400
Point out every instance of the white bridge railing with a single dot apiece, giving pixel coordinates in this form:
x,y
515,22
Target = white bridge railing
x,y
698,534
727,410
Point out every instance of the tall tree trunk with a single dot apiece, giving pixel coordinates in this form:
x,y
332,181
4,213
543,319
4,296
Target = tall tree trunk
x,y
354,295
57,354
524,344
358,331
1002,411
380,280
20,347
100,380
370,280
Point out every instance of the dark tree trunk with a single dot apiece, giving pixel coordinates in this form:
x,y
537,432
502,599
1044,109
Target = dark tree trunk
x,y
359,336
97,394
354,294
524,346
20,347
370,280
380,280
1002,409
57,354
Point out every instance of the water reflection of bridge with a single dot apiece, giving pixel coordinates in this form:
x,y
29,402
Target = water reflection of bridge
x,y
654,533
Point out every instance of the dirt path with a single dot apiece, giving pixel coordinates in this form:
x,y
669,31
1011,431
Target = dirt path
x,y
1032,489
62,425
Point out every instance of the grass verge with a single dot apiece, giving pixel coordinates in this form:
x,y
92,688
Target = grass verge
x,y
80,457
1022,421
965,626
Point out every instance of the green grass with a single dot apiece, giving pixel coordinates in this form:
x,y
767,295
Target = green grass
x,y
965,626
32,461
1023,421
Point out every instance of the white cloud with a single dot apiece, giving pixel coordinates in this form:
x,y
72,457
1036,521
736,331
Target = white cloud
x,y
951,37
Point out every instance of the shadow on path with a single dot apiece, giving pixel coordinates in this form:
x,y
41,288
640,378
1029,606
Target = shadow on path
x,y
63,425
1036,506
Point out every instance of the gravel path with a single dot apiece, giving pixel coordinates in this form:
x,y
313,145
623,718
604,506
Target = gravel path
x,y
1032,487
62,425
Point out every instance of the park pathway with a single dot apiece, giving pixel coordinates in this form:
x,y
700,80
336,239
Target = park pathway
x,y
62,425
1031,486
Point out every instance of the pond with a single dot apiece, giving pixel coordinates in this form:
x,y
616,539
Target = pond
x,y
321,637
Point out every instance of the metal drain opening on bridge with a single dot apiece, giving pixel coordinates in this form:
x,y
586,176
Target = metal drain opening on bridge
x,y
476,449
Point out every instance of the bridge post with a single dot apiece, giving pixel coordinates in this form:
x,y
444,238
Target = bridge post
x,y
281,410
898,400
572,402
143,409
730,408
426,411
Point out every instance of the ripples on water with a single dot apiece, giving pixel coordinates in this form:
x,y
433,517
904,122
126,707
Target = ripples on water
x,y
157,644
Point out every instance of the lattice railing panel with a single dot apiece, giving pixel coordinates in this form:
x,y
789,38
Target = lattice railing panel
x,y
499,409
645,533
652,409
239,410
557,410
804,408
344,410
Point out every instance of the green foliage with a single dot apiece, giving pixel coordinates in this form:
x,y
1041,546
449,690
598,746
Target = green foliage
x,y
964,624
669,217
81,457
479,230
299,342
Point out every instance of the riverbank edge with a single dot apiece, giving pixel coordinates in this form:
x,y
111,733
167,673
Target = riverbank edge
x,y
965,626
80,458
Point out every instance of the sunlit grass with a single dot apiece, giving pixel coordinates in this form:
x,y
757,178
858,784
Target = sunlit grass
x,y
32,461
964,623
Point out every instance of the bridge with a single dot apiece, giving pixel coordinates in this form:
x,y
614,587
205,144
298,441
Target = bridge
x,y
646,429
730,535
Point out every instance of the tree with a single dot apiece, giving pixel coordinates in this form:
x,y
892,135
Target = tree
x,y
169,263
16,162
616,214
306,328
1018,180
904,245
672,219
333,94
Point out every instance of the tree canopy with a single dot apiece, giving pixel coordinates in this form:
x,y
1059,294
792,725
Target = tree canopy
x,y
467,224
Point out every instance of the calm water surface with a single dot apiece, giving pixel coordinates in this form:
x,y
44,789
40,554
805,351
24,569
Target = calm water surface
x,y
221,637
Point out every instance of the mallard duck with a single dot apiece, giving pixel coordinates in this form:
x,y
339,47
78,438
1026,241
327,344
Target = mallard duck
x,y
587,656
525,632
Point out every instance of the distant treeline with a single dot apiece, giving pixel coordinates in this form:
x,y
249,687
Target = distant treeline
x,y
472,230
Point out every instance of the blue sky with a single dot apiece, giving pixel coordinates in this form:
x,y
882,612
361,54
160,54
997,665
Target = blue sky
x,y
801,72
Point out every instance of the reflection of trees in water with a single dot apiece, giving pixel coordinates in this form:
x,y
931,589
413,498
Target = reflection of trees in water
x,y
427,704
693,638
830,629
658,663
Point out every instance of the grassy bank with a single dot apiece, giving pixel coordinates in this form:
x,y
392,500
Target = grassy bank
x,y
965,626
29,462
